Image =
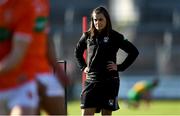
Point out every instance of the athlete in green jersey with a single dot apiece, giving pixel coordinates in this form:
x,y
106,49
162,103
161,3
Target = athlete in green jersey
x,y
141,91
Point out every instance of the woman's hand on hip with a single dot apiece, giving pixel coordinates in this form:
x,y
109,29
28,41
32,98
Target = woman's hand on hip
x,y
111,66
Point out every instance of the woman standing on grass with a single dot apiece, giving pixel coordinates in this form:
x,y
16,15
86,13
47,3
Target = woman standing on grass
x,y
102,79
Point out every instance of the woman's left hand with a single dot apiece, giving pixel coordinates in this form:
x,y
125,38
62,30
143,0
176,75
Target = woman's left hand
x,y
111,66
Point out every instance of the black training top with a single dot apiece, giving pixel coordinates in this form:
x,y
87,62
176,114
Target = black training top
x,y
102,49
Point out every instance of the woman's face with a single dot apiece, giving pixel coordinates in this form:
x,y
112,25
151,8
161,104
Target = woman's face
x,y
99,21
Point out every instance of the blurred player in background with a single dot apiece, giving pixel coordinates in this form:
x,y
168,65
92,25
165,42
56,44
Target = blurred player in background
x,y
18,92
51,86
141,90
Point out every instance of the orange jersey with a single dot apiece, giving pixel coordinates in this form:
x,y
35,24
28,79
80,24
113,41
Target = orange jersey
x,y
41,34
16,16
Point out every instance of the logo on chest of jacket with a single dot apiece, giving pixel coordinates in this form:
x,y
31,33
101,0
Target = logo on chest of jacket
x,y
106,39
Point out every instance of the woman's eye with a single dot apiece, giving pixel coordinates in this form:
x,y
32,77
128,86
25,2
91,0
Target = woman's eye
x,y
100,19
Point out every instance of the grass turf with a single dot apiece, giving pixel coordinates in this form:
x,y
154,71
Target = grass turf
x,y
157,108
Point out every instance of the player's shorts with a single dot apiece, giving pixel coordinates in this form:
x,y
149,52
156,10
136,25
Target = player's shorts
x,y
53,87
100,95
133,96
25,95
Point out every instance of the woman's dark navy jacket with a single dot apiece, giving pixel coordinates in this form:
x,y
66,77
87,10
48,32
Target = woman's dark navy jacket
x,y
102,49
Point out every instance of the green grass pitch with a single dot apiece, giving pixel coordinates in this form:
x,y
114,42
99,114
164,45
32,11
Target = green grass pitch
x,y
156,108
